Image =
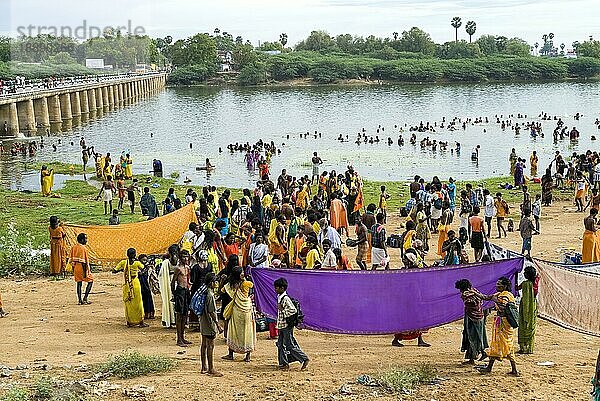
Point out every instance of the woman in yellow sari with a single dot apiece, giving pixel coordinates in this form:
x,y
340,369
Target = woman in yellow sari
x,y
241,333
58,251
503,335
46,180
132,291
128,167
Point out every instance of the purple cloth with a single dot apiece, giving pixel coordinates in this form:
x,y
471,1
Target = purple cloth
x,y
379,302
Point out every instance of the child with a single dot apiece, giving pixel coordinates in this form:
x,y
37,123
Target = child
x,y
474,340
288,348
527,229
209,324
114,220
383,198
147,300
122,189
536,210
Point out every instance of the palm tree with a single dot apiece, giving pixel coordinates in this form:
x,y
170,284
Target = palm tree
x,y
283,39
395,35
470,27
562,46
217,31
456,23
239,40
550,36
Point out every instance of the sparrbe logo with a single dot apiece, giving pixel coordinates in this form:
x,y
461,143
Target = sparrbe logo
x,y
81,32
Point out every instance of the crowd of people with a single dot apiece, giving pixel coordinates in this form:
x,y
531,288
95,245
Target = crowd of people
x,y
300,222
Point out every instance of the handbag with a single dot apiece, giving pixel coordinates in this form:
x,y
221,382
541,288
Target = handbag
x,y
262,324
511,313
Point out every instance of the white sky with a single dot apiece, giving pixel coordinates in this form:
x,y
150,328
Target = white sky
x,y
262,20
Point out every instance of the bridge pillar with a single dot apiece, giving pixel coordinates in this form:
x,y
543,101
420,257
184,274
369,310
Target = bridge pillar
x,y
26,116
99,99
91,95
105,101
76,108
42,118
65,111
54,113
111,97
121,91
10,117
84,106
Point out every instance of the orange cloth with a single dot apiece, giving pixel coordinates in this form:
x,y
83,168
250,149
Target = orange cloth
x,y
443,236
298,245
359,202
591,247
151,237
337,214
233,249
58,252
78,258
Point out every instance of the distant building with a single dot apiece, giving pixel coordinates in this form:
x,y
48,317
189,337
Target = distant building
x,y
95,63
271,52
570,54
225,58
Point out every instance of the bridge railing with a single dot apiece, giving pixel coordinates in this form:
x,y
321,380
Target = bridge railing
x,y
32,87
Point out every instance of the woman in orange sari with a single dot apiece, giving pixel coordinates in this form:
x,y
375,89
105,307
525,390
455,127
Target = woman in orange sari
x,y
81,268
58,254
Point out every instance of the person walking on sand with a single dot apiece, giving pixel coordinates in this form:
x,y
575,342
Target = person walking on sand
x,y
132,290
502,344
474,338
527,229
287,346
209,326
241,333
81,268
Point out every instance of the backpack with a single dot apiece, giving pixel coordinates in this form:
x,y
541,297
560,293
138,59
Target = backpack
x,y
466,208
297,319
511,313
198,301
463,235
438,202
394,241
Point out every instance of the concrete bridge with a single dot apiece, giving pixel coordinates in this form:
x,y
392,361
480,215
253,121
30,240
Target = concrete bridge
x,y
61,108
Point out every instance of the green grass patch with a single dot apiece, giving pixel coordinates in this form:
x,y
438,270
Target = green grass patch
x,y
399,379
134,364
16,393
62,168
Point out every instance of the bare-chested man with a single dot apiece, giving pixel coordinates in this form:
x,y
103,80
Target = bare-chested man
x,y
180,287
316,162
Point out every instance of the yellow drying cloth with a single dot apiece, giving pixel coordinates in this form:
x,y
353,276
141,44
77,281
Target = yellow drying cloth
x,y
152,237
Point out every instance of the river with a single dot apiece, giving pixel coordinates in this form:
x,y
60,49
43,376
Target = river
x,y
211,118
